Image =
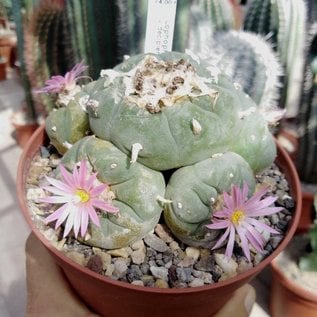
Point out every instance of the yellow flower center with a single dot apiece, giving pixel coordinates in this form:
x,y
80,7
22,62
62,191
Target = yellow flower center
x,y
237,216
83,195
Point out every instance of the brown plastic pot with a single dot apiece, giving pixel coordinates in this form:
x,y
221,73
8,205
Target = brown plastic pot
x,y
113,298
289,299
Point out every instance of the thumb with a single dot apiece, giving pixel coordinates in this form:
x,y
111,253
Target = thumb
x,y
240,304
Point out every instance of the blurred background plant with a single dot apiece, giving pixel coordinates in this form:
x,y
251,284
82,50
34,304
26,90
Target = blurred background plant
x,y
268,47
308,262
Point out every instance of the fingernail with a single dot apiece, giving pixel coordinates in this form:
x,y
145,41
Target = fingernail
x,y
249,301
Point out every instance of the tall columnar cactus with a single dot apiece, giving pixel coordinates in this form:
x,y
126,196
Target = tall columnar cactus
x,y
47,45
307,128
153,114
284,22
18,19
57,34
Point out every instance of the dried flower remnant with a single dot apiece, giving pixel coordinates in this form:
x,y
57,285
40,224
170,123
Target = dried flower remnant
x,y
239,216
79,195
64,84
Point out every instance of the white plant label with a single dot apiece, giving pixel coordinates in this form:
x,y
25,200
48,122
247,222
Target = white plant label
x,y
160,26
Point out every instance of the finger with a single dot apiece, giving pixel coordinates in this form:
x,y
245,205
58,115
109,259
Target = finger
x,y
240,305
48,292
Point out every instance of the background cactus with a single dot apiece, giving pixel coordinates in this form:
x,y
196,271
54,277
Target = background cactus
x,y
243,56
284,22
18,19
306,161
59,34
178,114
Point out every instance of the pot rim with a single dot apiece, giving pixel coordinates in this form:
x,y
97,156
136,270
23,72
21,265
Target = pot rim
x,y
24,163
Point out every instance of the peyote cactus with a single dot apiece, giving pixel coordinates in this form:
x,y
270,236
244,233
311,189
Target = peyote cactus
x,y
135,188
163,118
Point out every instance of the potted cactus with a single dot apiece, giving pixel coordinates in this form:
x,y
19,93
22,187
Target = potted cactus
x,y
163,180
294,291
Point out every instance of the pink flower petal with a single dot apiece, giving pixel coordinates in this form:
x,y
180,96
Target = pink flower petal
x,y
56,191
228,201
82,173
222,239
90,182
67,177
256,197
266,202
84,222
104,206
70,220
56,214
93,215
55,199
77,221
64,215
230,243
76,177
218,225
222,213
58,184
98,190
244,242
255,238
245,191
262,225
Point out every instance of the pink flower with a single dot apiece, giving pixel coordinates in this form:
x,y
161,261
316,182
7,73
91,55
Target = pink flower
x,y
79,196
58,84
238,216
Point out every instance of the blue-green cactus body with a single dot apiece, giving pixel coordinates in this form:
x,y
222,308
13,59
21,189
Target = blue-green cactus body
x,y
67,125
193,126
192,191
172,113
135,187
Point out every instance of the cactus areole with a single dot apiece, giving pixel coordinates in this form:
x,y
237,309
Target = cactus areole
x,y
165,132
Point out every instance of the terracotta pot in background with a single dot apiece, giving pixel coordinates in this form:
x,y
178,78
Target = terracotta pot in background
x,y
289,299
288,139
3,70
307,213
112,298
23,132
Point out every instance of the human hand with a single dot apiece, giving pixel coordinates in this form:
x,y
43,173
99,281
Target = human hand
x,y
48,292
240,304
50,295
